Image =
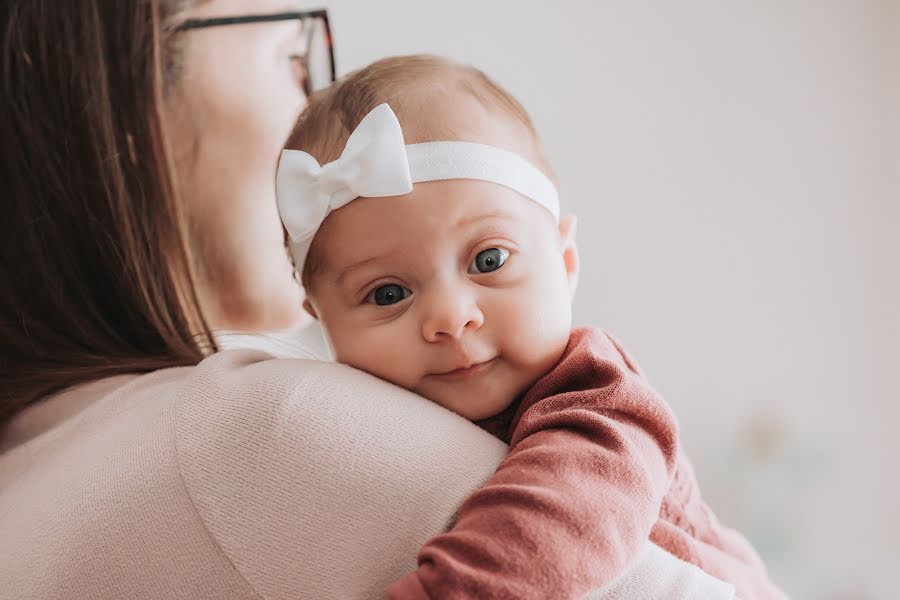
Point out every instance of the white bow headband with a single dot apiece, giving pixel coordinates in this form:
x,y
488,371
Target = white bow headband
x,y
376,162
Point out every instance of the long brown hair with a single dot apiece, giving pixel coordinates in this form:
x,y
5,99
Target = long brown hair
x,y
95,262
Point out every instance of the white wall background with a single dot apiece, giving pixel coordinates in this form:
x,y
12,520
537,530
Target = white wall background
x,y
736,170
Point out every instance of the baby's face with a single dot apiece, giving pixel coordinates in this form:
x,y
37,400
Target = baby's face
x,y
459,291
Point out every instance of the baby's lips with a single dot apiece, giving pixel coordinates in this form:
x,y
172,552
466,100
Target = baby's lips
x,y
464,367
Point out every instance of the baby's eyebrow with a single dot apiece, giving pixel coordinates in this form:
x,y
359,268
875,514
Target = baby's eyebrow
x,y
497,214
347,272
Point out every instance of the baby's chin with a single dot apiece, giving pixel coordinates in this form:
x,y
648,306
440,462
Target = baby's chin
x,y
471,401
481,413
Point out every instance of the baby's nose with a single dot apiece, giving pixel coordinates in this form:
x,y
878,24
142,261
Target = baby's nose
x,y
449,316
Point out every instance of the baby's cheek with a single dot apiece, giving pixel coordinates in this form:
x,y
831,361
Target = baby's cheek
x,y
377,351
535,328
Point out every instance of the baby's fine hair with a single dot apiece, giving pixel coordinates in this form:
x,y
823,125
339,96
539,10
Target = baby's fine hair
x,y
409,84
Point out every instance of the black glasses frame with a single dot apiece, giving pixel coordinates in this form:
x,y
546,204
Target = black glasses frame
x,y
270,18
221,21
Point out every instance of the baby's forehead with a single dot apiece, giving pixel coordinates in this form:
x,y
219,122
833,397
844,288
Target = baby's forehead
x,y
433,208
435,213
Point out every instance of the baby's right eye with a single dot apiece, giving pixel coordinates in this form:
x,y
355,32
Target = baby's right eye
x,y
386,295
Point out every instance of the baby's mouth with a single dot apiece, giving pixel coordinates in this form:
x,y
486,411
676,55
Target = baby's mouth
x,y
465,371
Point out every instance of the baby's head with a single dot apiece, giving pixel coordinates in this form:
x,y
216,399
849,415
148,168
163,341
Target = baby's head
x,y
461,289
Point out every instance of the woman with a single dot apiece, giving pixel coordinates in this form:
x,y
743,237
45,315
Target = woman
x,y
137,167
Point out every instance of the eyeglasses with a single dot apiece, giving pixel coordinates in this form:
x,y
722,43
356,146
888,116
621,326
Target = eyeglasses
x,y
318,59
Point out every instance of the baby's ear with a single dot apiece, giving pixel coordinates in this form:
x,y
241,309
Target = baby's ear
x,y
308,307
568,225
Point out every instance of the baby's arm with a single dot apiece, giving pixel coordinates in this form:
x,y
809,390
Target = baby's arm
x,y
573,503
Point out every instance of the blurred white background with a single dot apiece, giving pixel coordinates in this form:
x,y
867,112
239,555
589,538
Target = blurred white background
x,y
735,167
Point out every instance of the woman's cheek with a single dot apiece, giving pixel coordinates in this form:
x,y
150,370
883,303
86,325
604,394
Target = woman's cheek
x,y
284,116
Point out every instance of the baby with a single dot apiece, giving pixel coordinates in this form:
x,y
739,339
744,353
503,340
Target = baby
x,y
432,250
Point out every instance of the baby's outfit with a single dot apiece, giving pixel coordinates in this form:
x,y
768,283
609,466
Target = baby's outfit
x,y
594,469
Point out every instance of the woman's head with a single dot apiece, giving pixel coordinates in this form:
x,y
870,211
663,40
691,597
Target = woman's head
x,y
137,171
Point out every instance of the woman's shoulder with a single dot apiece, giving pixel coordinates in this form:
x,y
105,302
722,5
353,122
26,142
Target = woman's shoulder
x,y
252,418
319,461
237,394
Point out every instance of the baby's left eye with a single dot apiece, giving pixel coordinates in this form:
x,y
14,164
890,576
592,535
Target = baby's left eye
x,y
488,260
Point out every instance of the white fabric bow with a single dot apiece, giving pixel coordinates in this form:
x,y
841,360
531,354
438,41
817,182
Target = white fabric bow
x,y
373,164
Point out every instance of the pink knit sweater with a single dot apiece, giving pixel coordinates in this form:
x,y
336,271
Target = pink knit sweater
x,y
594,470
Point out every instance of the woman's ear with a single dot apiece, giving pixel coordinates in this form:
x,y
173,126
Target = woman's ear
x,y
568,225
